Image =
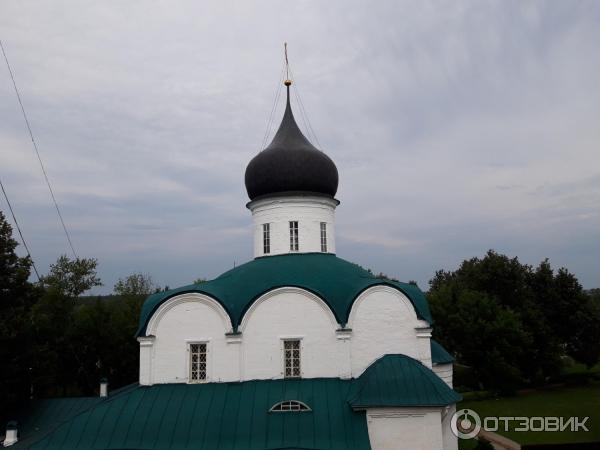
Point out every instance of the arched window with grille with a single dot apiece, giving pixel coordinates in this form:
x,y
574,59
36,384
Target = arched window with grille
x,y
289,406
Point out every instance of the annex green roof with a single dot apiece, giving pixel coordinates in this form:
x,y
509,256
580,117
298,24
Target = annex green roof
x,y
399,380
216,416
336,281
41,417
234,415
439,355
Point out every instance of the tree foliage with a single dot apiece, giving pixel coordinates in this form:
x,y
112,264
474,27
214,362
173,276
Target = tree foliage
x,y
510,322
53,341
72,277
59,353
135,284
513,323
17,296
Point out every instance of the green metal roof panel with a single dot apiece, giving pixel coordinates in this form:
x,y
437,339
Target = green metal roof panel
x,y
216,416
40,417
399,380
439,355
336,281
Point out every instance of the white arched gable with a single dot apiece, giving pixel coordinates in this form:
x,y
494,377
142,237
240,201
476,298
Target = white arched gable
x,y
184,320
288,290
290,313
407,305
383,321
190,297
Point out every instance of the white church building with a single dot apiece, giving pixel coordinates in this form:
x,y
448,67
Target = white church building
x,y
296,349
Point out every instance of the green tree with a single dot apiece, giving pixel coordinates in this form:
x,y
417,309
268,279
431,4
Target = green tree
x,y
98,336
17,296
135,284
584,342
510,322
58,360
72,277
122,365
482,334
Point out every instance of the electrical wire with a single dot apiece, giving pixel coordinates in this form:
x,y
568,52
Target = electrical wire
x,y
12,213
305,117
37,152
273,108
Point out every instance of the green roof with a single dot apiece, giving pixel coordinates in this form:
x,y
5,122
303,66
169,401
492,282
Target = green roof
x,y
234,415
41,417
399,380
336,281
439,355
217,416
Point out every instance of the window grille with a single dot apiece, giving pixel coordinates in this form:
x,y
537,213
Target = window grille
x,y
197,363
266,238
291,357
324,237
294,236
290,405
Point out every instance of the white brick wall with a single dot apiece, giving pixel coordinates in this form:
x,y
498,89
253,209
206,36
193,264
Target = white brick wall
x,y
444,371
382,319
405,428
309,211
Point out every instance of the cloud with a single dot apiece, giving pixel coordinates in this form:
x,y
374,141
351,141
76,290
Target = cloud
x,y
456,127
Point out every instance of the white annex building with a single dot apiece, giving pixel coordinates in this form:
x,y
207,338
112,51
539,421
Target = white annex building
x,y
296,349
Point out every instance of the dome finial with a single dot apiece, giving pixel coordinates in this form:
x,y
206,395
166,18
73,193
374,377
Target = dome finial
x,y
290,163
287,81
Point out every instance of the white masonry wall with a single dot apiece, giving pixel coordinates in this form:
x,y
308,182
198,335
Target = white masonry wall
x,y
444,371
182,320
308,210
291,313
405,428
382,320
450,440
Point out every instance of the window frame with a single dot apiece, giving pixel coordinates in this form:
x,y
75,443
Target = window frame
x,y
323,229
190,363
298,365
294,236
299,406
266,233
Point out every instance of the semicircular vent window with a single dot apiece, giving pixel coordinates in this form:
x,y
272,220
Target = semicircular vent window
x,y
289,405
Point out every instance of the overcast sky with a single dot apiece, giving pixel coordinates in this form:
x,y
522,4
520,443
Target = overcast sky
x,y
456,127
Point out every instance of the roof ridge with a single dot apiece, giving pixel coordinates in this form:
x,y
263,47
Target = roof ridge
x,y
415,384
85,409
338,282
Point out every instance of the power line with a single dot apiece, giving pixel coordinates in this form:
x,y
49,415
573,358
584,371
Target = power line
x,y
37,152
305,117
19,230
273,108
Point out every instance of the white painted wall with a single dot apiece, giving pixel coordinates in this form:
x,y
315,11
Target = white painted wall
x,y
444,371
450,441
309,211
182,320
405,428
290,313
383,321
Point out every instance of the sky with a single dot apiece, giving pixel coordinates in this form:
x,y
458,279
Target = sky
x,y
456,127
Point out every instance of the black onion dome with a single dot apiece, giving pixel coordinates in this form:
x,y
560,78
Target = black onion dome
x,y
290,163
